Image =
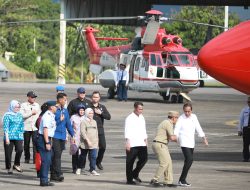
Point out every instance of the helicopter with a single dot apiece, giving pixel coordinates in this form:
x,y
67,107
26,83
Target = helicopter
x,y
156,61
226,57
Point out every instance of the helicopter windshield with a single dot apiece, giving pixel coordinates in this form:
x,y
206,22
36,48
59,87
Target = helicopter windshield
x,y
181,59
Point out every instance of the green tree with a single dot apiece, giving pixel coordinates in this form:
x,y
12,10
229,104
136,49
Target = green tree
x,y
44,69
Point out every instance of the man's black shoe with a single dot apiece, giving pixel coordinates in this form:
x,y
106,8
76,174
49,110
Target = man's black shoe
x,y
170,185
46,184
27,161
99,166
245,160
57,179
131,183
137,179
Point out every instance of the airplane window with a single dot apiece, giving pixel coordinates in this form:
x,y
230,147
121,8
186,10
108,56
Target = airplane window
x,y
152,59
146,65
137,63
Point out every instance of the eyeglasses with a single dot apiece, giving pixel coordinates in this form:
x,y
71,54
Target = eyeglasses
x,y
17,107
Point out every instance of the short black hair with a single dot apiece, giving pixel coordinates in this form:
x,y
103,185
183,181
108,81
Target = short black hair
x,y
60,95
188,104
136,104
96,92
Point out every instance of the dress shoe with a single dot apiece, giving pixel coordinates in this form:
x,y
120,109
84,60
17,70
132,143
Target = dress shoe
x,y
137,179
155,183
46,184
27,161
57,179
99,166
170,185
131,183
17,168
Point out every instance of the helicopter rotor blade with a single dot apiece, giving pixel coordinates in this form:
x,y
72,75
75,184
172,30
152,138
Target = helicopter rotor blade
x,y
165,19
67,19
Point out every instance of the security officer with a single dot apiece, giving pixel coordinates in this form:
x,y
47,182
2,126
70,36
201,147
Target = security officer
x,y
244,129
122,83
164,134
46,132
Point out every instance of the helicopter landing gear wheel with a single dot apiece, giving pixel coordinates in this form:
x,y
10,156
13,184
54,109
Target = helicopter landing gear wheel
x,y
165,98
174,98
111,93
180,99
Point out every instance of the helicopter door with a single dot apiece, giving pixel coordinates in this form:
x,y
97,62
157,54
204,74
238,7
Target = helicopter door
x,y
137,70
131,69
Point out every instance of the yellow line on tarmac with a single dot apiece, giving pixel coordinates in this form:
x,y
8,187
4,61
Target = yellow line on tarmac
x,y
232,123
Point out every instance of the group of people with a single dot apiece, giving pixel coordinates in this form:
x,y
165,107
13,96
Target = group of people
x,y
50,126
136,144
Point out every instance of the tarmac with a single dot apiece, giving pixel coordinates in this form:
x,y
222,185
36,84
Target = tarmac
x,y
218,166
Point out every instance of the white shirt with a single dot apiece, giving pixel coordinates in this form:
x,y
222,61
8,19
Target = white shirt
x,y
244,118
125,76
185,130
135,130
48,121
29,119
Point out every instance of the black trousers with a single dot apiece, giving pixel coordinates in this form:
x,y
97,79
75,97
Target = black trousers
x,y
58,145
140,152
27,136
8,149
102,148
246,142
188,154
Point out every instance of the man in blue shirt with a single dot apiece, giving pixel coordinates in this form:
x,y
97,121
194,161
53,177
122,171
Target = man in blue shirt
x,y
244,130
62,124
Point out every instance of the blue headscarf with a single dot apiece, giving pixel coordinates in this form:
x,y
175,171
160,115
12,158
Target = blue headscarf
x,y
11,109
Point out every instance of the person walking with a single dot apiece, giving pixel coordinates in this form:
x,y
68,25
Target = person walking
x,y
100,114
185,129
30,111
46,132
77,163
13,128
122,83
164,134
244,130
136,143
89,140
81,99
63,124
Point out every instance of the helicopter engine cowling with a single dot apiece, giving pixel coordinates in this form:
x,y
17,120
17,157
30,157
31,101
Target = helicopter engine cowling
x,y
108,78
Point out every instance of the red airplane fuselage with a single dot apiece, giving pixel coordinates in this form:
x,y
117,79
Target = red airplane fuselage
x,y
227,57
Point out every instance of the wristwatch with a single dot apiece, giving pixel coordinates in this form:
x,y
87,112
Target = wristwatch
x,y
47,143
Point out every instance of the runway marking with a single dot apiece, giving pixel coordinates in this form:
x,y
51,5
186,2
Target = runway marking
x,y
232,123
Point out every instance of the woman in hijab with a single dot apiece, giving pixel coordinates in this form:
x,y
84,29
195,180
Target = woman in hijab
x,y
76,120
13,127
89,139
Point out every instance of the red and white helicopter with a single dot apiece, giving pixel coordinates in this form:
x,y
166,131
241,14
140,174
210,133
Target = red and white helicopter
x,y
156,61
227,57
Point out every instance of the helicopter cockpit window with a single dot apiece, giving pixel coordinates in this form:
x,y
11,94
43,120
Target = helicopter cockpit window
x,y
155,59
152,59
184,59
172,60
137,63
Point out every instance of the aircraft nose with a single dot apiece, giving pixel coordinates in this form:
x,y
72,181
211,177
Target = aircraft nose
x,y
227,57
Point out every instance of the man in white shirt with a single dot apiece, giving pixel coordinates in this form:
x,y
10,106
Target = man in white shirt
x,y
30,111
185,129
122,83
244,129
136,143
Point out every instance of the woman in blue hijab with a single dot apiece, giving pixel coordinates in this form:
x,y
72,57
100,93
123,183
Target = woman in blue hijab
x,y
13,136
